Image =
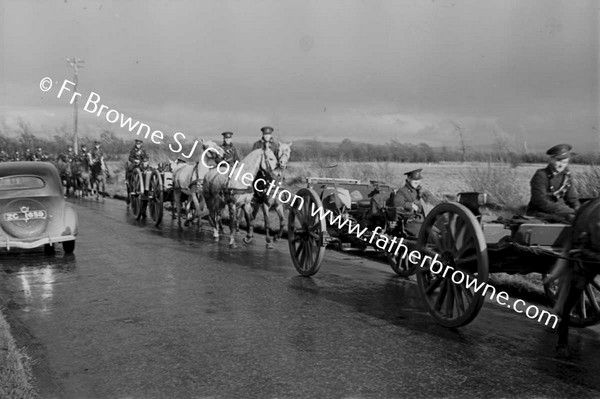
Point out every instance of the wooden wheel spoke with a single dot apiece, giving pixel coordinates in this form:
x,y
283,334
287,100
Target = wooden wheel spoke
x,y
450,299
434,284
462,262
594,283
434,239
592,298
460,305
441,296
299,249
582,308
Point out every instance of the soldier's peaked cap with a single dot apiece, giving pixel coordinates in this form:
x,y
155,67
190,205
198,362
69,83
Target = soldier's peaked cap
x,y
138,141
97,142
266,130
560,151
227,135
414,174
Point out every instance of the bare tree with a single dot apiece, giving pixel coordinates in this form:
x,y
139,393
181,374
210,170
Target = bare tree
x,y
463,147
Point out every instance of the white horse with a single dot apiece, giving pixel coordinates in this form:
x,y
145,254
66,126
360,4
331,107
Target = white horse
x,y
265,202
232,186
187,179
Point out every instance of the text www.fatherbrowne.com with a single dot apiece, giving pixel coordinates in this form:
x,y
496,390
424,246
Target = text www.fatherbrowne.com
x,y
433,265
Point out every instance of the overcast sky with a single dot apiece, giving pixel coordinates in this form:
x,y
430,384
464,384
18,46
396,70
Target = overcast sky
x,y
364,70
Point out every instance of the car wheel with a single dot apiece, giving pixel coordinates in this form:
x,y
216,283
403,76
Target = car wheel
x,y
68,246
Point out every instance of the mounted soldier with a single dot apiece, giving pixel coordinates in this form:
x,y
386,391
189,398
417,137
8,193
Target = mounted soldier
x,y
84,155
4,156
231,155
28,155
39,155
97,153
553,196
267,141
411,201
68,156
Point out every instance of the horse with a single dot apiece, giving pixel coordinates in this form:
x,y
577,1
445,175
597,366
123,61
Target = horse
x,y
222,189
80,172
66,176
188,177
265,202
578,268
98,179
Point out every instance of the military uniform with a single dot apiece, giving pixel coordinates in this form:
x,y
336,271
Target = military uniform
x,y
29,156
40,156
67,157
406,198
553,196
137,154
97,155
16,156
4,156
83,155
231,154
264,144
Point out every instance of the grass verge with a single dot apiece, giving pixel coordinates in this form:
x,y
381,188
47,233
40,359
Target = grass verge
x,y
16,379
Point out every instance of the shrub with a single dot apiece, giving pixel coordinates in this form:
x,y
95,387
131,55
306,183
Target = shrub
x,y
587,182
498,181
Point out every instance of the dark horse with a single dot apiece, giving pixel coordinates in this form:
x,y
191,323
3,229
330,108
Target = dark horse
x,y
577,276
80,172
66,177
98,178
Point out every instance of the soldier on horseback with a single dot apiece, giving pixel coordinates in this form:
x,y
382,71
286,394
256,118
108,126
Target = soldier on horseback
x,y
267,141
39,155
97,153
84,155
231,155
67,157
4,156
98,158
28,155
553,196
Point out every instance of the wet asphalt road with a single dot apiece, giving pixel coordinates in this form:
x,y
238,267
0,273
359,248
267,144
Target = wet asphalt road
x,y
142,312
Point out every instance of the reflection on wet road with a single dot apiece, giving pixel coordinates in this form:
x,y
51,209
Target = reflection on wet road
x,y
146,312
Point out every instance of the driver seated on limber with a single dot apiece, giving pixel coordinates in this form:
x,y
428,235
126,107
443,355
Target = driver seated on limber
x,y
409,201
553,197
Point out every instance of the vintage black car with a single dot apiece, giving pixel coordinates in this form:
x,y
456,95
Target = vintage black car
x,y
33,211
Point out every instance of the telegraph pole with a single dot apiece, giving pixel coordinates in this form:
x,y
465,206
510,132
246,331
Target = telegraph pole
x,y
75,63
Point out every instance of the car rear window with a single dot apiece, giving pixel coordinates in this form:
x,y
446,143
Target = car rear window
x,y
20,182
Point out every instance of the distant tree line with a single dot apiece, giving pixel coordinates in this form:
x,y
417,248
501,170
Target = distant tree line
x,y
116,148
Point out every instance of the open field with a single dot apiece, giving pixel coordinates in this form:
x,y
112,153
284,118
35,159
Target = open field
x,y
443,179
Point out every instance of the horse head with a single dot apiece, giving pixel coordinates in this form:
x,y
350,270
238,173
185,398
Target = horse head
x,y
216,149
285,150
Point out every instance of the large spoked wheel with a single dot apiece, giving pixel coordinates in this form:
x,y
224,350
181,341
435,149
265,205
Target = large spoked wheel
x,y
586,311
452,235
400,265
306,233
155,197
136,192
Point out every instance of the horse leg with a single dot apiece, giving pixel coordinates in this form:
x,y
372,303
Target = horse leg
x,y
233,225
279,210
247,209
197,206
265,211
177,199
563,326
